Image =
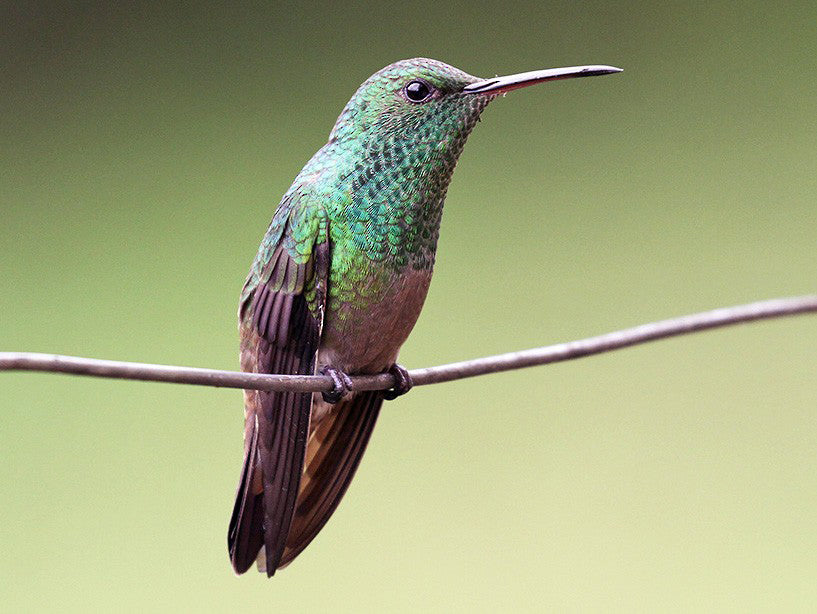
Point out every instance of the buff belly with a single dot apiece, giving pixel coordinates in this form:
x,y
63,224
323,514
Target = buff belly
x,y
365,336
367,339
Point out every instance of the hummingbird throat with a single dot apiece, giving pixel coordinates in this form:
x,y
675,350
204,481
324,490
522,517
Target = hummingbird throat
x,y
399,183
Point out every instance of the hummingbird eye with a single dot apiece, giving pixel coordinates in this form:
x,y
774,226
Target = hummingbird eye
x,y
417,91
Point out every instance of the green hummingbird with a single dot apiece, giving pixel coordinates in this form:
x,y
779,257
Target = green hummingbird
x,y
336,287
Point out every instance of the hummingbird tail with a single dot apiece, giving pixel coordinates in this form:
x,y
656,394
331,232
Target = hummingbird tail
x,y
333,454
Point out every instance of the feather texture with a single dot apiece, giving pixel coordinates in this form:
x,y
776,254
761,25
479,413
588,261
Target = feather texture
x,y
280,332
333,455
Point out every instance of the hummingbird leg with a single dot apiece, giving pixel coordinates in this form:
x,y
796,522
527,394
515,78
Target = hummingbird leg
x,y
341,381
402,382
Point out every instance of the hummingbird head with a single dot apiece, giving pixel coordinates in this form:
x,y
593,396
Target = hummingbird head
x,y
412,101
425,101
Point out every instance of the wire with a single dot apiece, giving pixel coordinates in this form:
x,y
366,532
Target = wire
x,y
726,316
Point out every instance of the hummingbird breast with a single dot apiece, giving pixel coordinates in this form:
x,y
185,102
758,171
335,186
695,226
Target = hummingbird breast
x,y
368,318
384,218
384,199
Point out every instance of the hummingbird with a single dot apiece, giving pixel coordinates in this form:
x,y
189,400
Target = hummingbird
x,y
337,285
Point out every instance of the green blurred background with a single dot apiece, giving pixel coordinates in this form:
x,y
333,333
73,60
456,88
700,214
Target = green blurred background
x,y
143,152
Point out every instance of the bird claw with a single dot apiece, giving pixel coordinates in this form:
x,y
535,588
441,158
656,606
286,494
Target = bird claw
x,y
402,382
342,385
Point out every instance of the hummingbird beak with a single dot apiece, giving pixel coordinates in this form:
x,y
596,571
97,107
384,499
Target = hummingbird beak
x,y
500,85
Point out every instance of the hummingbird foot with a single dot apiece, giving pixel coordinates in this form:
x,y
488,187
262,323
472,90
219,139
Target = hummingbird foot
x,y
402,382
342,385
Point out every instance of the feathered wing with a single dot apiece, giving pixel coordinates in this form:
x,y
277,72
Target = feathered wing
x,y
292,480
281,321
246,533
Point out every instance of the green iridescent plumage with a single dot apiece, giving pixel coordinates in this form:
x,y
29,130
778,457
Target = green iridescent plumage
x,y
381,181
337,285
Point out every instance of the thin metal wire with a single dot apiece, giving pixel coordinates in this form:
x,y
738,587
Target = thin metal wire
x,y
726,316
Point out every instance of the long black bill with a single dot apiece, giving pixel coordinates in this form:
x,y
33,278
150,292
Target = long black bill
x,y
500,85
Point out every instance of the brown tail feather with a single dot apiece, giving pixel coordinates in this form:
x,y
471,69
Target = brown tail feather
x,y
333,454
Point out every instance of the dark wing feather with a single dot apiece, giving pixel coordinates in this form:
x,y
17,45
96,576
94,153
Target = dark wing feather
x,y
335,449
279,334
246,535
